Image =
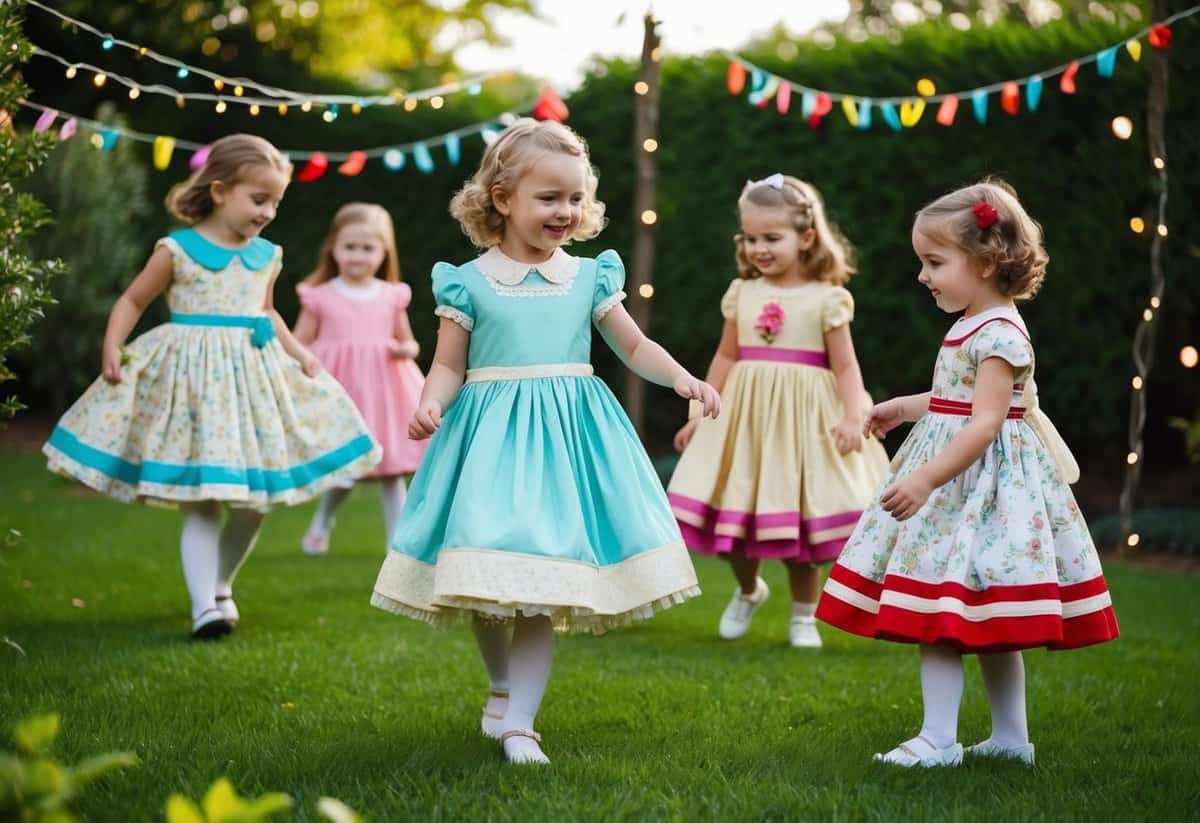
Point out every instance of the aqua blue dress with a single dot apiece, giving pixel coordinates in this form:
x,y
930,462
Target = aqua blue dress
x,y
535,495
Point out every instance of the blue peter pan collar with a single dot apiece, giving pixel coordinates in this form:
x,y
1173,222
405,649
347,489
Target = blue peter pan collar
x,y
254,255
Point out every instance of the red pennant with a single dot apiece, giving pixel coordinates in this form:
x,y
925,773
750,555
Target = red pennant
x,y
947,110
550,107
1160,37
822,107
354,164
314,168
783,98
1067,83
735,78
1010,98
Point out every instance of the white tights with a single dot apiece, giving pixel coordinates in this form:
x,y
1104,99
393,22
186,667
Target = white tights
x,y
942,688
213,555
392,491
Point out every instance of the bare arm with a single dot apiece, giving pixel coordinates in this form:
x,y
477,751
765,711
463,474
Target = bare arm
x,y
444,380
404,344
891,413
650,361
725,357
989,409
295,349
839,345
149,284
307,327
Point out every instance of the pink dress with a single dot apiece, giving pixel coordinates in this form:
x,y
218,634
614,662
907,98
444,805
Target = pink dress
x,y
352,343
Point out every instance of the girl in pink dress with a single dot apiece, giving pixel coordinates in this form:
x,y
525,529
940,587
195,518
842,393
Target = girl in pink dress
x,y
353,317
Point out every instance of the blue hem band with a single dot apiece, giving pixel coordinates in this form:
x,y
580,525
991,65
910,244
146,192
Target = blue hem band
x,y
271,481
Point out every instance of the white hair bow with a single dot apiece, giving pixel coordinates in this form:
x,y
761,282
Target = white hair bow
x,y
775,181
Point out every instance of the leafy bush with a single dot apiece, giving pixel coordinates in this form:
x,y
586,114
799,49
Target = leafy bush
x,y
36,788
1176,531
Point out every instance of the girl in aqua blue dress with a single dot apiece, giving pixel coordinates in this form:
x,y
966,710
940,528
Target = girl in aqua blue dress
x,y
221,408
535,507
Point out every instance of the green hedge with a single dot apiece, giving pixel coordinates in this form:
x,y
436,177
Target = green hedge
x,y
1075,177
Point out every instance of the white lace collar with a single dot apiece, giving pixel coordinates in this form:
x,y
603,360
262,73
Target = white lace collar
x,y
559,269
367,292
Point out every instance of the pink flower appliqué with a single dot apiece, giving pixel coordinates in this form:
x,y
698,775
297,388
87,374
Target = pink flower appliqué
x,y
769,322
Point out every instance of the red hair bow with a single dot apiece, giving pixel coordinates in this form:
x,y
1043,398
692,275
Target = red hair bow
x,y
985,215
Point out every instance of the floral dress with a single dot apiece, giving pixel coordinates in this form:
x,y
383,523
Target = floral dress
x,y
210,406
535,496
765,477
1000,557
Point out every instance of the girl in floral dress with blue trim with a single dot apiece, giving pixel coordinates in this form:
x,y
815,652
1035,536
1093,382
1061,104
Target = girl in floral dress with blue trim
x,y
785,473
535,507
220,407
976,544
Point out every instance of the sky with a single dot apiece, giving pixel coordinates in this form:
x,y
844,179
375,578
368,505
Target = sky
x,y
559,46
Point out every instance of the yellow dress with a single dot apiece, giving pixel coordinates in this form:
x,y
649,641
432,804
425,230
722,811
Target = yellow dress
x,y
765,478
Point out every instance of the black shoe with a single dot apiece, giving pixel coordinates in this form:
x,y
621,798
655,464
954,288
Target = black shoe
x,y
210,625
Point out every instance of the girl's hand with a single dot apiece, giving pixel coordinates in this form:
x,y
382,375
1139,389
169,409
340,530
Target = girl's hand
x,y
403,349
425,421
310,364
110,364
690,388
906,496
684,435
847,436
883,418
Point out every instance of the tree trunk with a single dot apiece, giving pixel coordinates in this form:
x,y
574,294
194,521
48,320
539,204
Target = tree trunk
x,y
645,127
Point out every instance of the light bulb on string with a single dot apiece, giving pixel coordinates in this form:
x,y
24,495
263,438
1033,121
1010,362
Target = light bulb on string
x,y
282,109
410,104
100,79
218,83
254,110
1162,229
179,101
1147,315
1138,382
1155,302
641,87
71,72
306,106
182,73
238,91
134,93
1137,224
143,51
437,101
1133,540
1131,458
650,145
356,108
221,107
1189,357
646,290
107,44
649,217
1122,127
1159,163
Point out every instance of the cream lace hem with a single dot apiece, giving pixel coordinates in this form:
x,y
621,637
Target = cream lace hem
x,y
576,596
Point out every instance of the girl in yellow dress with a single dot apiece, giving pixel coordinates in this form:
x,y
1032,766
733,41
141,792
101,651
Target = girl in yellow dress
x,y
785,472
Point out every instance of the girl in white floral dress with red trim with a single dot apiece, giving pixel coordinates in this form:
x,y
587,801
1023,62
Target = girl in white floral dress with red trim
x,y
785,473
976,544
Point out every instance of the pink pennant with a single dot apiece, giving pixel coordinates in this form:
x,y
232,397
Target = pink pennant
x,y
1067,83
45,121
947,110
68,129
783,98
198,158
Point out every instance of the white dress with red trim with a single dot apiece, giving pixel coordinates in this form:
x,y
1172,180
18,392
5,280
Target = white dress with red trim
x,y
765,478
999,558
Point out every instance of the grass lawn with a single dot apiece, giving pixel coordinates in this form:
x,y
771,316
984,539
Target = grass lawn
x,y
319,694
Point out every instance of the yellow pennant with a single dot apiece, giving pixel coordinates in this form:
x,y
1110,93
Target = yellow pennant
x,y
911,111
163,148
850,108
1134,47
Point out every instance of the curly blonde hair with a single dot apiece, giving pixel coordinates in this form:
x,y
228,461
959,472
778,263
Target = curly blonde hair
x,y
504,162
831,256
375,218
230,160
1013,243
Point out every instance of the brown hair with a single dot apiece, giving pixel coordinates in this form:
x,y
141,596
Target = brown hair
x,y
516,149
230,160
1013,243
374,217
830,258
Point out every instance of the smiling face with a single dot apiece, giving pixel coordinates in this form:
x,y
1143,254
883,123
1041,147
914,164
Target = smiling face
x,y
358,252
771,242
545,208
244,208
957,281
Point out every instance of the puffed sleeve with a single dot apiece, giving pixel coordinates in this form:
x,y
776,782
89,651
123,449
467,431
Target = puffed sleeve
x,y
837,309
401,295
1004,340
452,297
310,298
729,302
610,282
